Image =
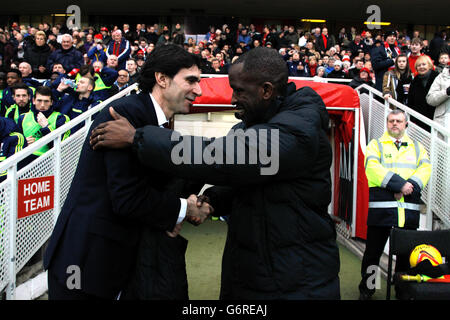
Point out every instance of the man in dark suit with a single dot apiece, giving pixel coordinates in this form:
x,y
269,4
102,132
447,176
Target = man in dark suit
x,y
118,209
383,57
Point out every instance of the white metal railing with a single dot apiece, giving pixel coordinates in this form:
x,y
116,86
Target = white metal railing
x,y
21,238
436,194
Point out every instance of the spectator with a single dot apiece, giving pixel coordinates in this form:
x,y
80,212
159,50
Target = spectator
x,y
151,35
216,68
68,56
104,79
354,71
11,142
22,99
178,35
37,55
245,38
320,75
383,58
337,72
120,47
13,77
291,36
396,82
439,97
58,67
25,70
105,36
41,120
131,67
112,62
296,67
312,65
362,78
73,102
121,82
343,38
325,42
443,61
88,43
97,51
436,44
419,89
357,44
416,51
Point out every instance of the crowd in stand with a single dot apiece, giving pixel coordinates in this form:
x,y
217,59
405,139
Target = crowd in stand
x,y
49,74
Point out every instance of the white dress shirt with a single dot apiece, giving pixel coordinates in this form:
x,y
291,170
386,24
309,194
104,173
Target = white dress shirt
x,y
161,117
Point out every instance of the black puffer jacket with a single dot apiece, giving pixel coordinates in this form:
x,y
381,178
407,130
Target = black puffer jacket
x,y
37,56
281,242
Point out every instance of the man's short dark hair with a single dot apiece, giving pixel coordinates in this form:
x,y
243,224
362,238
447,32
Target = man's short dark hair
x,y
265,65
44,91
168,59
18,86
16,71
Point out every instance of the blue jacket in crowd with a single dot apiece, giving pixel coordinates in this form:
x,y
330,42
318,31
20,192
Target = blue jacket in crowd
x,y
69,59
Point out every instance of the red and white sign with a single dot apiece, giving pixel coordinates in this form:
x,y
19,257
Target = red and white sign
x,y
35,195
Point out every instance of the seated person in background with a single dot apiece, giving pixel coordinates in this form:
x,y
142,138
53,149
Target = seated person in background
x,y
132,68
354,71
10,142
104,79
297,68
112,62
362,78
73,102
121,82
337,71
97,51
25,69
396,82
22,99
444,61
13,76
216,68
68,55
40,121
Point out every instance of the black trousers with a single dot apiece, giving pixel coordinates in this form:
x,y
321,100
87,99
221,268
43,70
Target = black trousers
x,y
58,291
375,243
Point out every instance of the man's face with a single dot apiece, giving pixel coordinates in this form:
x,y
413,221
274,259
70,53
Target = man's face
x,y
247,96
131,66
42,103
359,64
216,64
122,78
112,61
66,43
443,59
97,65
58,68
25,69
391,39
21,97
396,125
182,90
325,31
12,78
83,85
415,48
117,36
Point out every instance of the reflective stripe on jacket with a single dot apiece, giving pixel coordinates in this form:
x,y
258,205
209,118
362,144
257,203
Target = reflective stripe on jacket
x,y
387,170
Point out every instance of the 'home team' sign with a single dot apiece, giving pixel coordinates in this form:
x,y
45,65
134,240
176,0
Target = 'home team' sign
x,y
35,195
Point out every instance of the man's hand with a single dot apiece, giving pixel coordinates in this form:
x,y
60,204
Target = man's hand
x,y
116,134
62,86
176,231
407,188
42,120
197,212
31,140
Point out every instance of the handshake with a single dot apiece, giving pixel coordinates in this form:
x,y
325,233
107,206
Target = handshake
x,y
198,209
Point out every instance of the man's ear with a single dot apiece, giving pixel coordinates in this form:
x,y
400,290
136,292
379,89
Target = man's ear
x,y
161,79
268,90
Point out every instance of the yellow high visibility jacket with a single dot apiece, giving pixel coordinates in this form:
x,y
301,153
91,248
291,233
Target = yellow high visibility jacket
x,y
387,170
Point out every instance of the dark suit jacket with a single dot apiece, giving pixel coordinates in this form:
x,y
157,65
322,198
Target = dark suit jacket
x,y
381,64
112,197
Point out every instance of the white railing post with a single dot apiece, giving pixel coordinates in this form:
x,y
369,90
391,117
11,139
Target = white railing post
x,y
355,172
57,175
12,226
369,117
431,185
